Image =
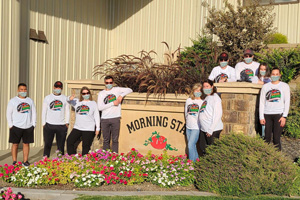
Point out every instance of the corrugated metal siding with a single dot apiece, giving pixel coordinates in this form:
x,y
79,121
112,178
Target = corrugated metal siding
x,y
77,41
9,59
143,25
287,21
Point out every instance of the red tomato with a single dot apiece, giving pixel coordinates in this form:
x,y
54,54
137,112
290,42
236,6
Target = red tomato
x,y
158,142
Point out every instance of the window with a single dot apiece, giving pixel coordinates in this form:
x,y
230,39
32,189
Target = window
x,y
267,2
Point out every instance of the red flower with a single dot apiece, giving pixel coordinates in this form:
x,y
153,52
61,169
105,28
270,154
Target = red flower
x,y
125,182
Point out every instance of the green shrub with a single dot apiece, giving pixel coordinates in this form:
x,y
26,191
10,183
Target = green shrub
x,y
203,48
243,166
288,60
277,38
292,128
240,27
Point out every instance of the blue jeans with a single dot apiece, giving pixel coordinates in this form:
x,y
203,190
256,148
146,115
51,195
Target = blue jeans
x,y
192,138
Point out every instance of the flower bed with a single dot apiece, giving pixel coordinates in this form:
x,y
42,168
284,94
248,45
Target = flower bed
x,y
103,168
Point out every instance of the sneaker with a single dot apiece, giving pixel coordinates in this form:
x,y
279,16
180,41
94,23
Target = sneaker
x,y
14,163
26,164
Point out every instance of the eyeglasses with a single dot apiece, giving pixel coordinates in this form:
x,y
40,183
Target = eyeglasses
x,y
85,93
247,56
108,82
221,60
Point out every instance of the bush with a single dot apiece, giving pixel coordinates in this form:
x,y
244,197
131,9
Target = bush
x,y
243,166
277,38
241,27
292,128
288,60
203,47
142,74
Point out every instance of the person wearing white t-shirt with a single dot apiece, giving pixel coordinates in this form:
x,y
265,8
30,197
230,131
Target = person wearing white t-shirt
x,y
109,102
224,72
263,74
55,119
274,107
191,112
210,115
87,121
21,118
246,70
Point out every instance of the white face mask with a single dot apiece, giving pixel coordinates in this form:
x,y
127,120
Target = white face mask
x,y
57,91
223,64
22,94
86,96
248,60
109,86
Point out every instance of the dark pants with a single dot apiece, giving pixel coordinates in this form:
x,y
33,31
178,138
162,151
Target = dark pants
x,y
273,126
60,131
110,129
87,140
205,141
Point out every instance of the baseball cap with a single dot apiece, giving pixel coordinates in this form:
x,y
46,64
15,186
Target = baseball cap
x,y
248,52
223,56
58,84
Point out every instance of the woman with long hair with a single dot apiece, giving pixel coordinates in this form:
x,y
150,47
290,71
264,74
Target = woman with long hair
x,y
210,115
263,74
87,121
192,107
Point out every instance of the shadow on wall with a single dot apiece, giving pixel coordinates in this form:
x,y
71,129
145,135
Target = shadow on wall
x,y
99,13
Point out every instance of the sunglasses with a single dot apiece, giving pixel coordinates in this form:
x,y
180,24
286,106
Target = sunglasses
x,y
221,60
85,93
247,56
108,82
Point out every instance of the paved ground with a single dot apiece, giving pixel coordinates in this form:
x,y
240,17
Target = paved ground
x,y
35,154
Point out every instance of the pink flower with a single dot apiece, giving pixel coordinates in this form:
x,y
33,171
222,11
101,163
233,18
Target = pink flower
x,y
20,196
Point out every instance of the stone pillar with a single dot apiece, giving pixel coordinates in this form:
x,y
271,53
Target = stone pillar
x,y
240,106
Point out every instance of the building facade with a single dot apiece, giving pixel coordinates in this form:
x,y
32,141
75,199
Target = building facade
x,y
83,33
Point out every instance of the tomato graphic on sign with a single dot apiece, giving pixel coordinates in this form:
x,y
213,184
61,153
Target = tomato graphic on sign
x,y
159,142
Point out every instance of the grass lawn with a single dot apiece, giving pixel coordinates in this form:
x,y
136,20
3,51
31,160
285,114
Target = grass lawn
x,y
176,198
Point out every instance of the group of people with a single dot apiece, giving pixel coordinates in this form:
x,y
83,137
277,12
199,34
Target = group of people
x,y
203,109
21,117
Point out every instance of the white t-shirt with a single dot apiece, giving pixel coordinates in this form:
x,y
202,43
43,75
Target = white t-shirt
x,y
106,100
274,99
87,115
210,114
56,110
219,73
21,113
249,69
191,113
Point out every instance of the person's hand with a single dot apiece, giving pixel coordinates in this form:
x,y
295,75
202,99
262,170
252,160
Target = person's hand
x,y
116,102
97,133
262,121
119,99
260,82
67,125
282,121
208,135
72,97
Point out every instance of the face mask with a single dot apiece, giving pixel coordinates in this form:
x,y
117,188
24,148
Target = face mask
x,y
109,86
248,60
223,64
197,94
275,78
262,73
86,97
22,94
57,91
207,91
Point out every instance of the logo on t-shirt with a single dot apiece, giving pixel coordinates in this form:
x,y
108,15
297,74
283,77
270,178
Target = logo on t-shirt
x,y
273,95
56,105
248,72
23,108
110,98
221,76
193,109
82,110
203,106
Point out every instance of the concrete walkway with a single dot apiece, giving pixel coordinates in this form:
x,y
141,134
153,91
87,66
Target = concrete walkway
x,y
35,154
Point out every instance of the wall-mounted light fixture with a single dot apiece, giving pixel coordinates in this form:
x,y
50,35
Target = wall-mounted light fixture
x,y
40,37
